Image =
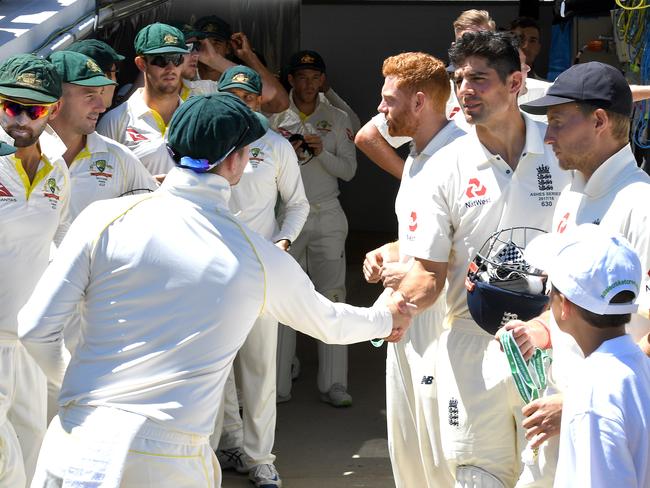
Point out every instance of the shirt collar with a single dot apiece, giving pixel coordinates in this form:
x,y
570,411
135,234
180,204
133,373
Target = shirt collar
x,y
292,105
436,142
623,345
137,105
534,143
52,147
601,181
205,189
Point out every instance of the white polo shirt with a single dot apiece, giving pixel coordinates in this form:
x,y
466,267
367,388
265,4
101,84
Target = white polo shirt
x,y
604,437
32,215
272,168
105,169
472,194
142,130
613,198
338,160
170,285
412,186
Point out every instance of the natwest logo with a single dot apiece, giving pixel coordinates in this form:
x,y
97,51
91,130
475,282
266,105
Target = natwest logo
x,y
413,224
475,188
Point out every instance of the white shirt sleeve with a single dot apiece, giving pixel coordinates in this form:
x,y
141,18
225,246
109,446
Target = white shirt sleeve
x,y
110,125
65,219
598,457
380,123
336,101
343,162
292,300
137,177
55,299
292,191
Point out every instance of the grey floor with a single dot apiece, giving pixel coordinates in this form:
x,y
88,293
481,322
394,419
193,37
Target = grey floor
x,y
318,446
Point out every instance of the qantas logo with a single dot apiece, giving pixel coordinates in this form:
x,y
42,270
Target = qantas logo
x,y
4,192
453,112
413,224
561,227
135,135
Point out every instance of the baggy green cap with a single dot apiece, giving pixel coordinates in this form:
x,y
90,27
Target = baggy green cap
x,y
240,77
79,69
31,78
6,149
103,54
213,26
211,127
160,39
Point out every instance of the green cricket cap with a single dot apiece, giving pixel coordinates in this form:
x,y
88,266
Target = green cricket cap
x,y
79,69
6,149
160,39
210,127
241,77
29,77
103,54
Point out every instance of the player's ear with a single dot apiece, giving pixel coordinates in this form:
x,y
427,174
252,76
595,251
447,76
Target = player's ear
x,y
419,101
140,63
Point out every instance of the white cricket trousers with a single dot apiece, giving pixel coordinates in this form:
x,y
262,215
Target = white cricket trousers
x,y
158,457
23,406
320,250
480,410
412,406
254,372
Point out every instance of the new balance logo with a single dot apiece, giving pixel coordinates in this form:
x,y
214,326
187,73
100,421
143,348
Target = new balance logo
x,y
426,380
453,412
4,192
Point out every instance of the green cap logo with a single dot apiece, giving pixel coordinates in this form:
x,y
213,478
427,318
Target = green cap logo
x,y
29,79
240,78
170,39
92,66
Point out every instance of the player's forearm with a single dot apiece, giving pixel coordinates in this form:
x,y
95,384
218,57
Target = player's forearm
x,y
421,287
374,146
644,344
295,216
390,252
640,92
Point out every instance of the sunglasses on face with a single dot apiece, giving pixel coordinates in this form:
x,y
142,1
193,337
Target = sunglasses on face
x,y
193,47
33,111
162,60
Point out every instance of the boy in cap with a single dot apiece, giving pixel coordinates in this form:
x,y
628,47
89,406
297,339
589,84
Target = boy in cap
x,y
596,278
107,59
141,122
321,136
34,196
588,108
272,169
169,285
221,49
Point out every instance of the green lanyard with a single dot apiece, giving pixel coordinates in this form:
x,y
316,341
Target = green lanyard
x,y
530,378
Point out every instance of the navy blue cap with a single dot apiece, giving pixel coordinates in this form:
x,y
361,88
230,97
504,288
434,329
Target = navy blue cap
x,y
594,83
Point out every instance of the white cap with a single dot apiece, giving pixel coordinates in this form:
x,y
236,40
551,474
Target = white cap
x,y
589,266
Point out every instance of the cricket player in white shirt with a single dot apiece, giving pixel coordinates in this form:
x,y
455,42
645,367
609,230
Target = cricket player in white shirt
x,y
272,170
415,89
99,167
34,196
322,138
141,122
498,176
596,279
169,285
589,108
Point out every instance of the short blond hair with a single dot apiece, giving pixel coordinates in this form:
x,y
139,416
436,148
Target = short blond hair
x,y
422,72
473,19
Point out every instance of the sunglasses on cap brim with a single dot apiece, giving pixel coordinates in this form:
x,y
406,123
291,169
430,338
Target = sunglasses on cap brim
x,y
162,60
34,111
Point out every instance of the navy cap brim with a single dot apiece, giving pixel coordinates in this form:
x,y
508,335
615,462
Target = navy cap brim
x,y
26,94
6,149
541,105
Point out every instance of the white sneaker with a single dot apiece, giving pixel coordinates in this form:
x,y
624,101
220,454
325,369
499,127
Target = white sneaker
x,y
233,458
337,396
265,476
